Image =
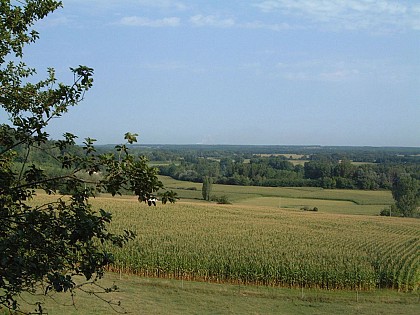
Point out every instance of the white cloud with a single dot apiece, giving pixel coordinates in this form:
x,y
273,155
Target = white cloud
x,y
159,4
338,75
375,15
322,70
163,4
268,6
142,21
163,66
212,20
216,21
261,25
171,66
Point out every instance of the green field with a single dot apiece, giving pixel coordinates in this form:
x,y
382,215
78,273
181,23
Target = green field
x,y
262,254
326,200
139,295
268,246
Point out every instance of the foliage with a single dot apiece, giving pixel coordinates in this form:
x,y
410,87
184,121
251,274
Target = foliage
x,y
277,171
44,247
206,189
223,199
306,208
386,212
406,192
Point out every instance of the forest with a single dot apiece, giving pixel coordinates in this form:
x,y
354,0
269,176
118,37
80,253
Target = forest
x,y
298,166
366,168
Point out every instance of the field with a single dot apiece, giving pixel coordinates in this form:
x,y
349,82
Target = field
x,y
264,240
326,200
139,295
268,246
259,244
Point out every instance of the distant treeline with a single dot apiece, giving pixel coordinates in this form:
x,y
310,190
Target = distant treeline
x,y
331,167
327,167
279,172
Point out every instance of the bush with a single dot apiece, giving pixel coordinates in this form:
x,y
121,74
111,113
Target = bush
x,y
393,211
221,200
306,208
384,212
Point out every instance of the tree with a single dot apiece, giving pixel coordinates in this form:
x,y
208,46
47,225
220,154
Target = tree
x,y
45,247
207,186
406,193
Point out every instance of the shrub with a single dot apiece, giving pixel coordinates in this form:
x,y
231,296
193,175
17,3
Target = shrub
x,y
393,211
384,212
306,208
221,200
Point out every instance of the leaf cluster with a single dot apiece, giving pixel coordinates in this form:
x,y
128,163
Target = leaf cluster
x,y
406,193
44,247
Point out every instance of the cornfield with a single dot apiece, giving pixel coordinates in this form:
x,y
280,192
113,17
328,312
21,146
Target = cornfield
x,y
266,246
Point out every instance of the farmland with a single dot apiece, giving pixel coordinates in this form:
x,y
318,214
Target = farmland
x,y
301,228
327,200
266,245
257,243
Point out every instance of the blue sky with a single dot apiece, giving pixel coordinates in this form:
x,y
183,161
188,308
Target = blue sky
x,y
298,72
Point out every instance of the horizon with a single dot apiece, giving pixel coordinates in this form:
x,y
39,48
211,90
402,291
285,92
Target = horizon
x,y
257,145
286,72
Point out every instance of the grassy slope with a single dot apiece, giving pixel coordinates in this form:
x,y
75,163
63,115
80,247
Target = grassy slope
x,y
160,296
327,200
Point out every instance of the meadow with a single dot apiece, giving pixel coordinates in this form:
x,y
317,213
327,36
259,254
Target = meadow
x,y
338,201
140,295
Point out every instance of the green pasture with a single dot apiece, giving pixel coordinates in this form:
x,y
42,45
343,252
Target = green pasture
x,y
342,201
151,296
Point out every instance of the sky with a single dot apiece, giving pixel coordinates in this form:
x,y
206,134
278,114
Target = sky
x,y
272,72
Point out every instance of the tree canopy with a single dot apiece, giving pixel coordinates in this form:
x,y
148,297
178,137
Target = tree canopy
x,y
43,247
406,193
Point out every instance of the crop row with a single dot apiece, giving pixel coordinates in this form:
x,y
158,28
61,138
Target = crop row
x,y
269,246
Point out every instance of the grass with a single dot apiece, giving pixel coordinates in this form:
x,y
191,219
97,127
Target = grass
x,y
140,295
324,206
341,201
